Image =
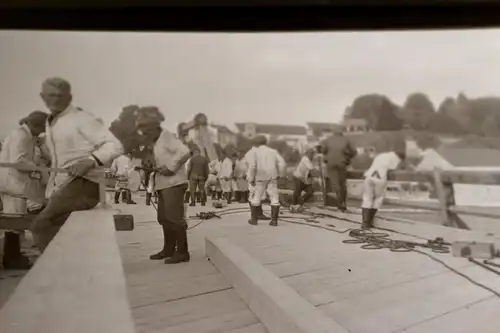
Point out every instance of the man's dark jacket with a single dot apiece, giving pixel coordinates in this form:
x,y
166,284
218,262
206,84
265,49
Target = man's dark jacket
x,y
199,167
338,151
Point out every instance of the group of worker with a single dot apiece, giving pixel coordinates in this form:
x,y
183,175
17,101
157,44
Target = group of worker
x,y
79,142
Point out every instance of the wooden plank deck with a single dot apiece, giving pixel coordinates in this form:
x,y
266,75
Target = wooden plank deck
x,y
189,297
363,290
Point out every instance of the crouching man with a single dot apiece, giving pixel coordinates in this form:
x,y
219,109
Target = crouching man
x,y
265,167
375,182
302,178
78,142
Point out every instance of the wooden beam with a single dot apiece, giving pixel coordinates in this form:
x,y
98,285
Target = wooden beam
x,y
77,285
15,222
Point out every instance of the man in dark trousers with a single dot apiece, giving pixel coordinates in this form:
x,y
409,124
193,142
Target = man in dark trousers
x,y
197,171
338,153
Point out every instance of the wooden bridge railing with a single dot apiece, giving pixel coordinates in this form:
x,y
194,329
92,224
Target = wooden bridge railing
x,y
442,181
77,285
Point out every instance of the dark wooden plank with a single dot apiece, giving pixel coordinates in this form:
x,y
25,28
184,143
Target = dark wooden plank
x,y
15,222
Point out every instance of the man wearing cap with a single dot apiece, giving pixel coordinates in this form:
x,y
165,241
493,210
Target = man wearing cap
x,y
266,166
338,153
170,182
375,181
251,187
79,142
17,186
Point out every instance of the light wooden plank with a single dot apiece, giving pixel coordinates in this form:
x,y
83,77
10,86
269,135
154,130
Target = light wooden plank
x,y
389,309
277,306
254,328
77,285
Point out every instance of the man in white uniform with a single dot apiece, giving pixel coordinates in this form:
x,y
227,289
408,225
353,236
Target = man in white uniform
x,y
226,178
375,182
251,188
121,168
303,180
266,166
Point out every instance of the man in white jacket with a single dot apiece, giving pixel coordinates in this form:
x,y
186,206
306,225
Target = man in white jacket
x,y
16,186
375,182
78,142
266,166
226,178
121,169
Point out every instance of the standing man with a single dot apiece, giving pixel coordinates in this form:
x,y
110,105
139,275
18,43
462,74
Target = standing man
x,y
302,178
171,183
338,153
215,167
16,186
266,166
121,169
197,172
226,177
78,142
251,187
240,183
148,165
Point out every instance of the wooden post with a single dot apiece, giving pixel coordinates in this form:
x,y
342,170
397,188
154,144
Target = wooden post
x,y
322,178
442,197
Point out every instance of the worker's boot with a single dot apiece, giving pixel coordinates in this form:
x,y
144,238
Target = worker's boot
x,y
229,197
214,195
148,199
187,196
168,246
219,195
371,215
12,256
129,198
124,196
182,252
193,199
203,198
243,197
254,215
365,218
117,197
275,212
198,197
261,215
237,196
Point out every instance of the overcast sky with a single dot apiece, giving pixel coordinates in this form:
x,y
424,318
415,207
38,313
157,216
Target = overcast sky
x,y
273,78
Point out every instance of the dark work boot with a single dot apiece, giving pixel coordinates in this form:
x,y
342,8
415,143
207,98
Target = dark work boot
x,y
219,195
12,256
214,195
243,197
365,218
117,197
168,246
229,197
193,199
129,198
187,195
261,215
198,197
236,196
203,198
182,252
372,212
124,196
275,212
254,213
148,199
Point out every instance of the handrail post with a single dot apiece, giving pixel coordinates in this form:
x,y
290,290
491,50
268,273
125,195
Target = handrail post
x,y
445,194
319,159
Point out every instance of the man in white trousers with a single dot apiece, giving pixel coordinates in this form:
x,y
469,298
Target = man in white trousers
x,y
375,182
265,167
251,188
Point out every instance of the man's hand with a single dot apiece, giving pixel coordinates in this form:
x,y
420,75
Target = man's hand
x,y
81,168
166,172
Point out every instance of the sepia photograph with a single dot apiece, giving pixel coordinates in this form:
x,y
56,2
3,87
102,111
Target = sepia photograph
x,y
271,182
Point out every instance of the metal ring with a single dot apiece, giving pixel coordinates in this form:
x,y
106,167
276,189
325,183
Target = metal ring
x,y
372,246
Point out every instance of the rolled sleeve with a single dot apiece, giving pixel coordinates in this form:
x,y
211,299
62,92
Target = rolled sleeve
x,y
106,146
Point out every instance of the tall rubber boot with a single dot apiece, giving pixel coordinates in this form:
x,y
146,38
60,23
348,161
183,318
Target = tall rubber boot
x,y
124,196
275,212
253,215
129,198
148,199
365,218
371,215
117,197
182,252
12,256
169,242
261,215
229,197
187,196
193,199
198,197
219,195
203,198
